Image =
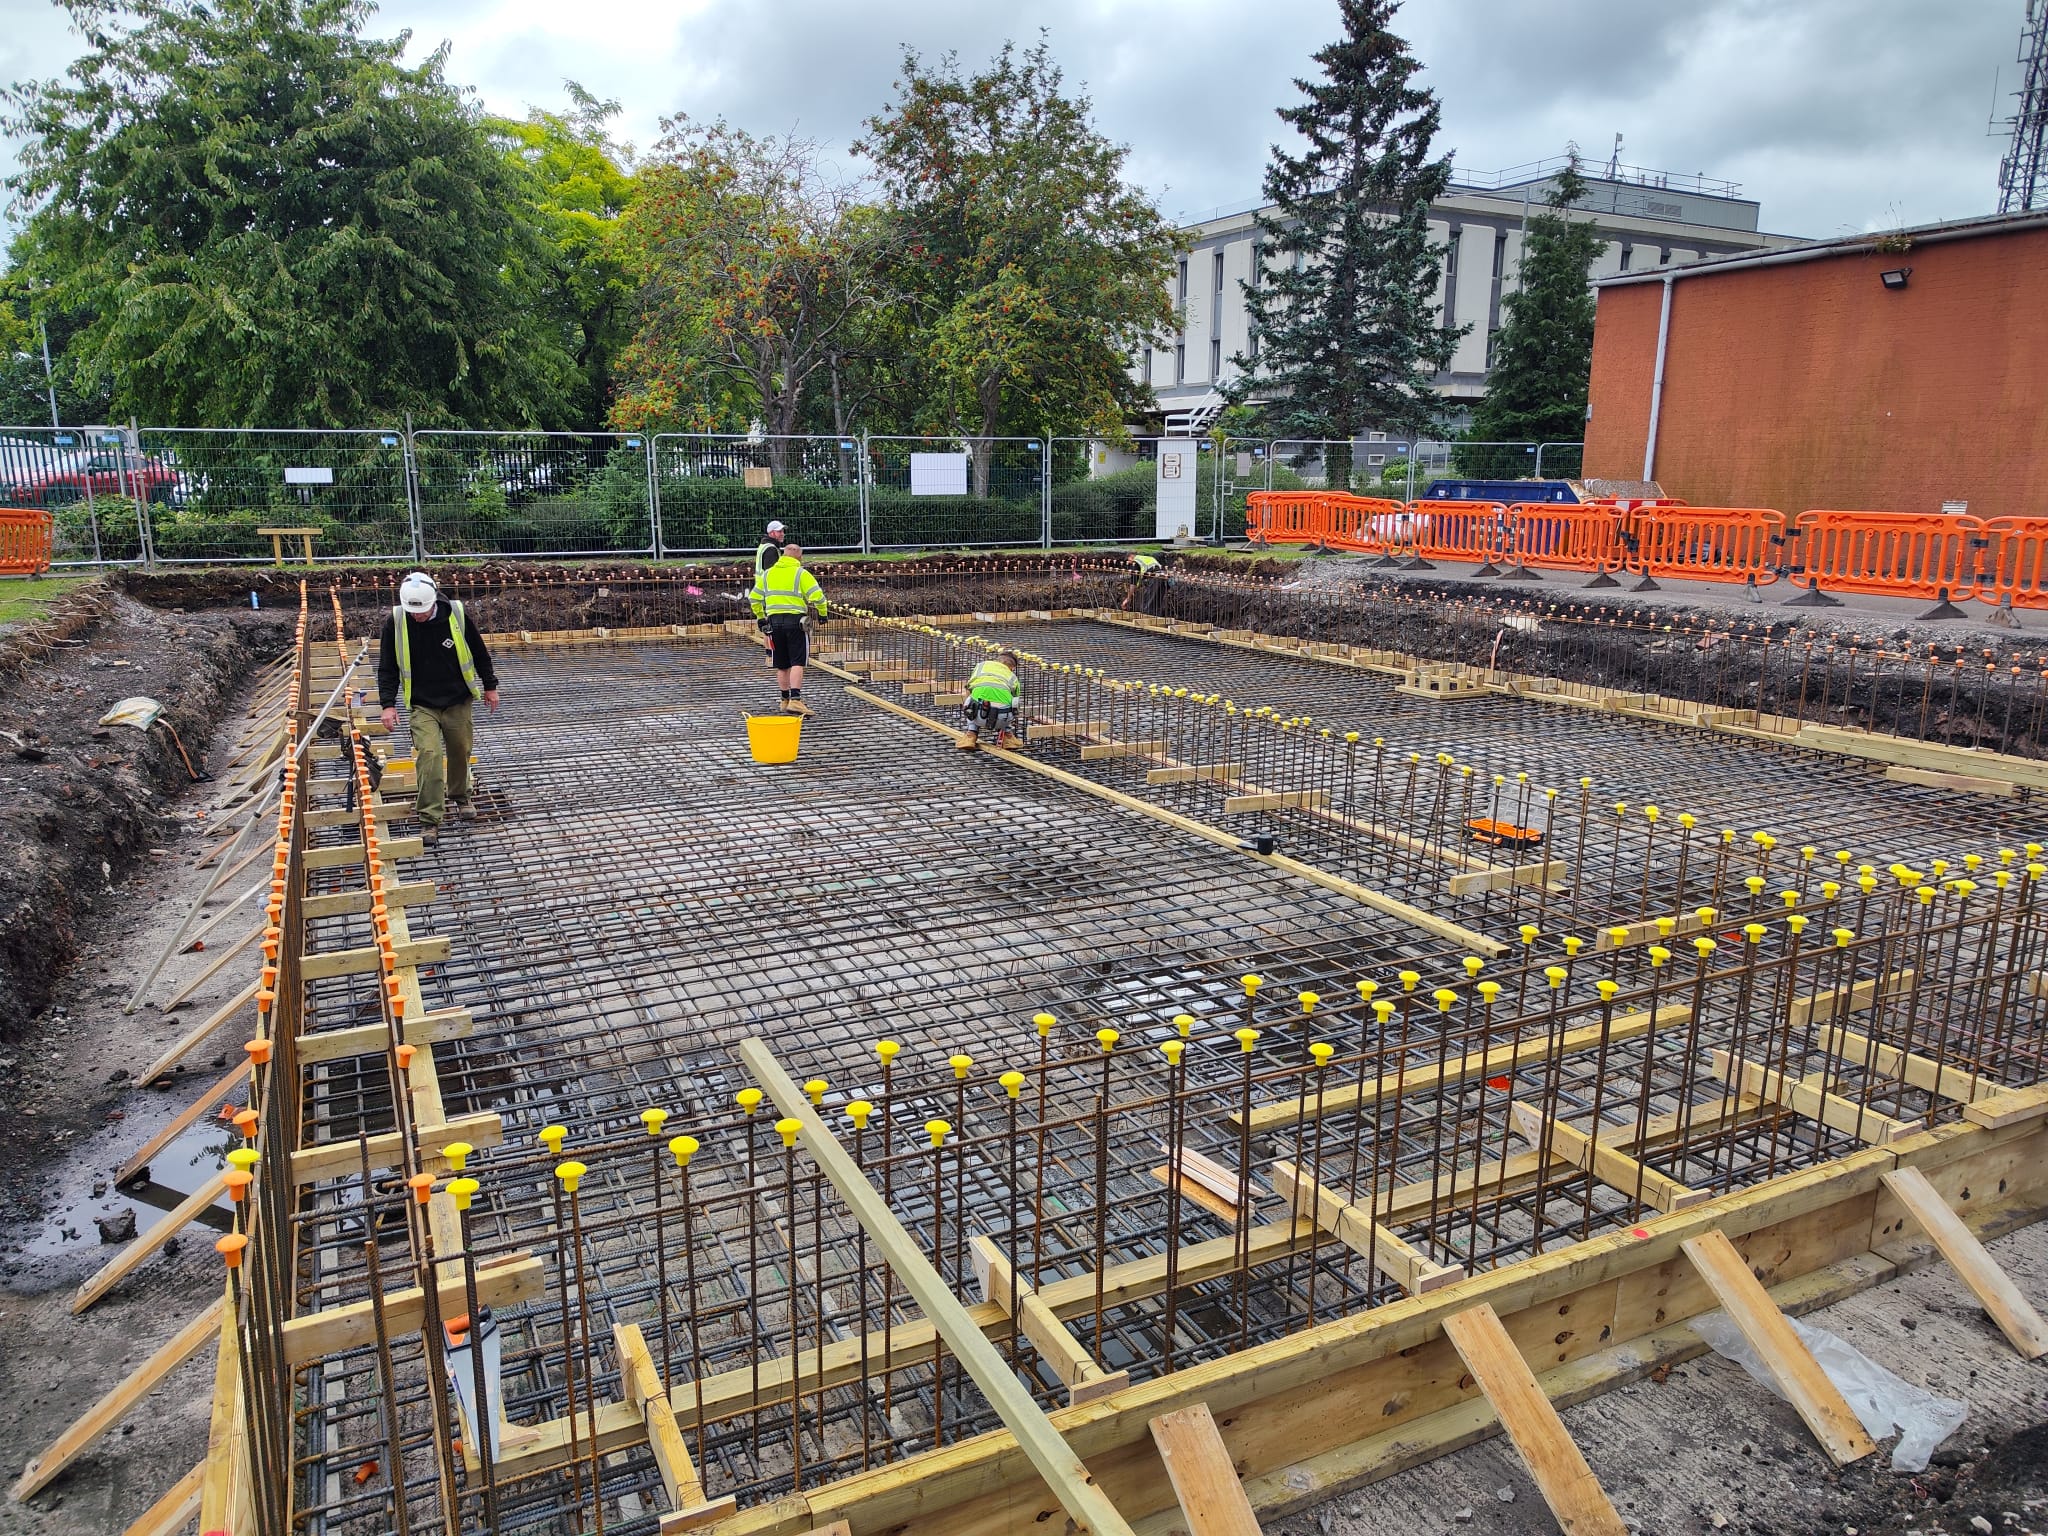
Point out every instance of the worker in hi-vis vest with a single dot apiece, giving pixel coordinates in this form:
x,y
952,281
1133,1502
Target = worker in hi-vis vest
x,y
766,553
432,662
993,689
784,595
1147,577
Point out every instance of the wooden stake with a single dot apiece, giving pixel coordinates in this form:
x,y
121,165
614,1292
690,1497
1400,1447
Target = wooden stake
x,y
1993,1288
1204,1481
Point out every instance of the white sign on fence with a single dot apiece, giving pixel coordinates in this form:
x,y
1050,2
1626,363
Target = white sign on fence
x,y
309,477
938,474
1176,484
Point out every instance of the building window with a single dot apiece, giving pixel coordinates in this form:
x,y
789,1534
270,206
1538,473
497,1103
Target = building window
x,y
1664,256
1376,458
1258,265
1180,360
1627,251
1375,437
1492,346
1451,280
1183,279
1215,360
1218,274
1148,365
1500,253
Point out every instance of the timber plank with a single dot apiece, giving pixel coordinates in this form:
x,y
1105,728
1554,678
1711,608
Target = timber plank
x,y
1790,1363
1993,1288
1205,1483
1567,1484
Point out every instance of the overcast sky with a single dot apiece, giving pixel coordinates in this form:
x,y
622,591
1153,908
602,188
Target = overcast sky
x,y
1838,115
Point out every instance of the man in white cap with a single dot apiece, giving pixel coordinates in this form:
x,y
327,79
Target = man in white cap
x,y
429,660
766,553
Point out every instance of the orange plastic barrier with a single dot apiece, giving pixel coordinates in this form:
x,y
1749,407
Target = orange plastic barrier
x,y
2014,569
24,541
1284,517
1367,525
1711,543
1474,531
1556,536
1895,554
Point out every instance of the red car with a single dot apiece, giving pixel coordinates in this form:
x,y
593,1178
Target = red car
x,y
107,471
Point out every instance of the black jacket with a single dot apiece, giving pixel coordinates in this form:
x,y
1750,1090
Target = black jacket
x,y
436,674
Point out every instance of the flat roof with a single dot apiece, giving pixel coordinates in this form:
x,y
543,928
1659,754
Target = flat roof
x,y
1888,242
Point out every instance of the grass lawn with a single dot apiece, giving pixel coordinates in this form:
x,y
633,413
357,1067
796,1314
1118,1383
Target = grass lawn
x,y
23,597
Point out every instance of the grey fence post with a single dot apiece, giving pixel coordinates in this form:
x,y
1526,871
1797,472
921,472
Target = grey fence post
x,y
861,480
409,462
1045,493
653,441
131,442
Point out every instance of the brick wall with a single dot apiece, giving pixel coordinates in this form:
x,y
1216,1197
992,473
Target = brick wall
x,y
1813,385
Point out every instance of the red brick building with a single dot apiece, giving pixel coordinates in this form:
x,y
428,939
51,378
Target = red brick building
x,y
1880,373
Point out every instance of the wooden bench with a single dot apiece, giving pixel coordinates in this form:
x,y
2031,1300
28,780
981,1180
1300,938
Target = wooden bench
x,y
279,535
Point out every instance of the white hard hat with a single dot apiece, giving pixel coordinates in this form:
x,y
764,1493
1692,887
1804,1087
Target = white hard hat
x,y
417,593
775,527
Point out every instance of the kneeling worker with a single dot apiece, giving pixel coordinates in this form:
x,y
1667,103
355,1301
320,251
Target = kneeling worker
x,y
993,691
784,593
429,660
1146,576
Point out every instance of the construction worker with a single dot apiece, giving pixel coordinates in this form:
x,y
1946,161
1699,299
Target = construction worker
x,y
784,595
1145,572
766,553
429,660
993,690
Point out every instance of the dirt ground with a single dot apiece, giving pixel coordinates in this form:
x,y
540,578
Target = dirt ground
x,y
1704,1442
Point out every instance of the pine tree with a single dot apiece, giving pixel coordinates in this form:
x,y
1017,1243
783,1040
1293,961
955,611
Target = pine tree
x,y
1344,313
1543,357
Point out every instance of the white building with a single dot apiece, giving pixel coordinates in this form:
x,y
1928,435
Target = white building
x,y
1649,219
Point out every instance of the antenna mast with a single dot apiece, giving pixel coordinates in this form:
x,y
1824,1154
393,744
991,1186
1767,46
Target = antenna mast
x,y
2023,173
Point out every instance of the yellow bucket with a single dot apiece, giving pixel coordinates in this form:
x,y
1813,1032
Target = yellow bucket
x,y
774,738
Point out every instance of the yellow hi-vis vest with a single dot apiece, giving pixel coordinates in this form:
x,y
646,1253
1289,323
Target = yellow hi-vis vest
x,y
998,679
402,638
1146,565
786,590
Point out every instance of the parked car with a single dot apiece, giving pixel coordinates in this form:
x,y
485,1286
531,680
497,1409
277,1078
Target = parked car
x,y
60,482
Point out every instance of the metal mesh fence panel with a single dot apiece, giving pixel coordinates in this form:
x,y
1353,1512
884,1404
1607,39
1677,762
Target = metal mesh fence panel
x,y
533,493
926,491
1108,493
211,491
89,481
719,493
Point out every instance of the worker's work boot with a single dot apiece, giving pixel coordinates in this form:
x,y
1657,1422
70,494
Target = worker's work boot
x,y
798,707
462,810
430,834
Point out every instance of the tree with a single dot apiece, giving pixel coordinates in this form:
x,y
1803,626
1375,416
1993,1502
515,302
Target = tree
x,y
581,184
258,215
1543,357
753,266
1345,313
1032,268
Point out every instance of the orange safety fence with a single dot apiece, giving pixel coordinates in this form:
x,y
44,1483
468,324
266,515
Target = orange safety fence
x,y
1285,517
1370,525
1743,544
24,541
1893,554
2014,571
1557,536
1478,531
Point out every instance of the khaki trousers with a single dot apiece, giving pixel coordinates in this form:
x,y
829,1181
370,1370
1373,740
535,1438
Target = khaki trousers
x,y
441,741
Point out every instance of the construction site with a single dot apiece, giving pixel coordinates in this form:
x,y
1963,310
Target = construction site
x,y
1358,1018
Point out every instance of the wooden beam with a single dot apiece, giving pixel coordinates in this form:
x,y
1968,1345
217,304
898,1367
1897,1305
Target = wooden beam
x,y
1428,922
1804,1097
1916,1071
1647,931
1080,1372
641,1382
1560,1472
1275,800
1189,773
1476,882
1790,1364
212,968
344,1159
361,962
224,1486
1400,1261
174,1511
1964,783
370,1039
1822,1006
1051,731
408,893
1993,1288
1204,1482
116,1405
1428,1078
501,1281
1611,1166
2008,1107
1506,1058
192,1038
1924,754
131,1257
139,1159
1048,1453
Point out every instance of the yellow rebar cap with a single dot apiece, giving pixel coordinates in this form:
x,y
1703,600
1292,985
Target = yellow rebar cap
x,y
682,1149
571,1174
787,1129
